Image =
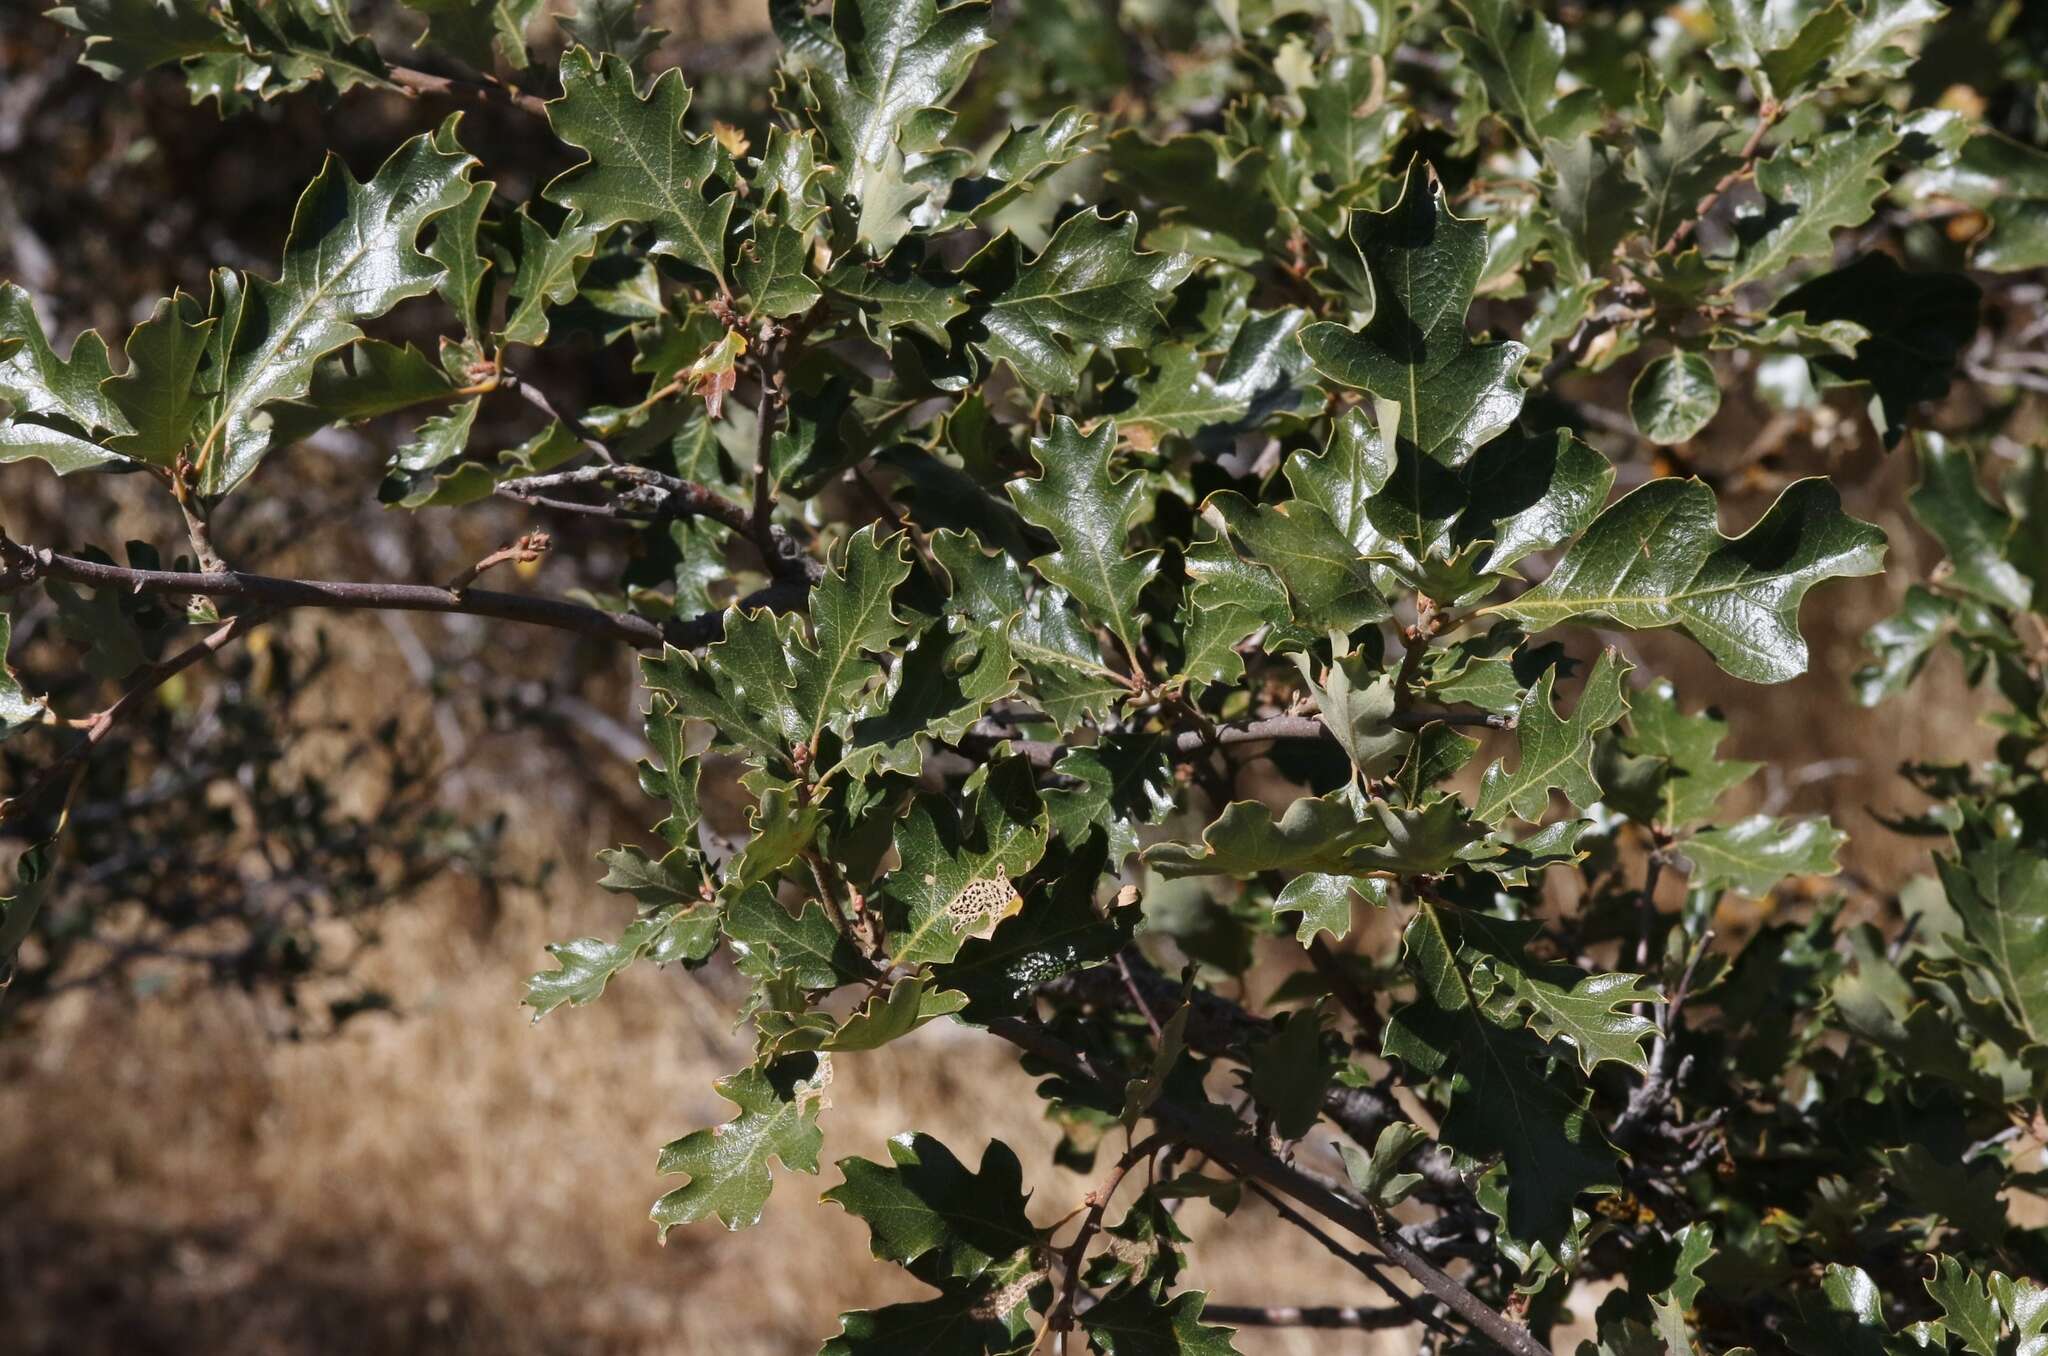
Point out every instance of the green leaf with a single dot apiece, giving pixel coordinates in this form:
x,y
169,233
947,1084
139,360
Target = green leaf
x,y
57,404
1357,709
1256,377
1347,139
1755,854
1518,54
1314,835
1673,398
1597,1015
367,379
685,931
1025,156
1377,1175
908,1005
1871,46
1678,156
741,685
414,478
926,1211
1671,773
769,942
729,1164
158,395
1325,902
1976,532
851,614
550,268
1777,43
641,167
772,270
1213,192
1594,202
957,877
676,877
1089,286
17,709
1043,630
1342,480
612,26
1967,1309
1324,581
940,686
1132,1321
454,247
1423,264
1999,890
1089,512
1290,1072
1555,751
124,38
1505,1103
477,31
872,80
906,289
1811,191
1657,558
1120,783
349,257
990,1317
1902,643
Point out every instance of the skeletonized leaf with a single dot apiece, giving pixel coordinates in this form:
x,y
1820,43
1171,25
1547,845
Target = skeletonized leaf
x,y
957,877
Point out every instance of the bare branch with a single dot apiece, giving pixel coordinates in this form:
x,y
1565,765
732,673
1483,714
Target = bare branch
x,y
416,82
1251,1161
1312,1316
21,565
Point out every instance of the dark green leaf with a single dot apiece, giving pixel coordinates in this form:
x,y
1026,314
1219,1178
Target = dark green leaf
x,y
1423,263
728,1164
1657,558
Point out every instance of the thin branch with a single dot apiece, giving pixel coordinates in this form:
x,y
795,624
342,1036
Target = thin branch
x,y
416,82
1766,117
538,398
97,728
529,548
655,497
1417,1311
1061,1316
21,565
1251,1161
1310,1316
986,734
